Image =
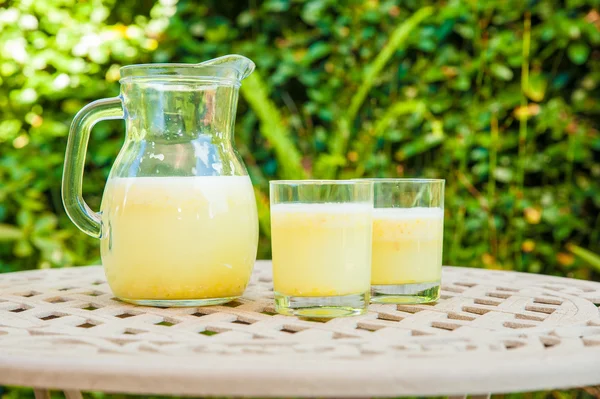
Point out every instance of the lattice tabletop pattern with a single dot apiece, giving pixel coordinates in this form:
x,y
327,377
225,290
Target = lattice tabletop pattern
x,y
492,331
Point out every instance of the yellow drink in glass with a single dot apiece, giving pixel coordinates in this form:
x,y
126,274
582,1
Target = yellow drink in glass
x,y
179,240
321,249
321,231
407,245
408,229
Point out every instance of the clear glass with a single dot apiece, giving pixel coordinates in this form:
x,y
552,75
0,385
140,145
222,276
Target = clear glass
x,y
321,242
408,226
178,222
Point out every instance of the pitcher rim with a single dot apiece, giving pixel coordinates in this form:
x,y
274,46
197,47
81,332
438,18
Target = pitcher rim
x,y
175,71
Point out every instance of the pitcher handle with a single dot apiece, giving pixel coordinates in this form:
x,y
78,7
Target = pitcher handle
x,y
79,212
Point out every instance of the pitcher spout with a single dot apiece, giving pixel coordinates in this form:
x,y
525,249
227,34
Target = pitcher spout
x,y
236,63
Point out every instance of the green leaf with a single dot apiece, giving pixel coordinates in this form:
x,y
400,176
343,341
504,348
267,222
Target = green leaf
x,y
501,71
327,162
25,218
9,232
578,53
23,249
503,174
277,5
9,129
316,51
587,256
46,244
45,223
464,30
536,90
312,11
418,146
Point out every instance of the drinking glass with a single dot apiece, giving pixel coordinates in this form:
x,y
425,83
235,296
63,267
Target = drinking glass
x,y
408,224
321,234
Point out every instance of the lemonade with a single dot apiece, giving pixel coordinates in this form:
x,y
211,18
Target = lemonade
x,y
321,249
407,245
179,238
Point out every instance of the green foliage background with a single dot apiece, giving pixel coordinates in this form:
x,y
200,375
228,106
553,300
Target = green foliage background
x,y
498,97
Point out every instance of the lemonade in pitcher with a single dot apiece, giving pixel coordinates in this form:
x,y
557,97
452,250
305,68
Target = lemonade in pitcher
x,y
205,246
178,222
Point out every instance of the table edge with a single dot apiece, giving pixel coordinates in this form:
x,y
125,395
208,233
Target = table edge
x,y
254,376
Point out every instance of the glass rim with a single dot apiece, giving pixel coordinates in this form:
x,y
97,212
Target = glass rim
x,y
401,180
319,181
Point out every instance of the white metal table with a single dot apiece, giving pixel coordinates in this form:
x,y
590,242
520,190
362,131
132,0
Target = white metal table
x,y
492,331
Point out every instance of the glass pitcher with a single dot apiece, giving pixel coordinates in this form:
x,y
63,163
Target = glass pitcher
x,y
178,223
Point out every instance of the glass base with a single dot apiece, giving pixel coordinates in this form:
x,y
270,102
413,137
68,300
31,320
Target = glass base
x,y
179,303
322,306
406,293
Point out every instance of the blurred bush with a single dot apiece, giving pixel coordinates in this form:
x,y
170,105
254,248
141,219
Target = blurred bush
x,y
55,57
498,97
